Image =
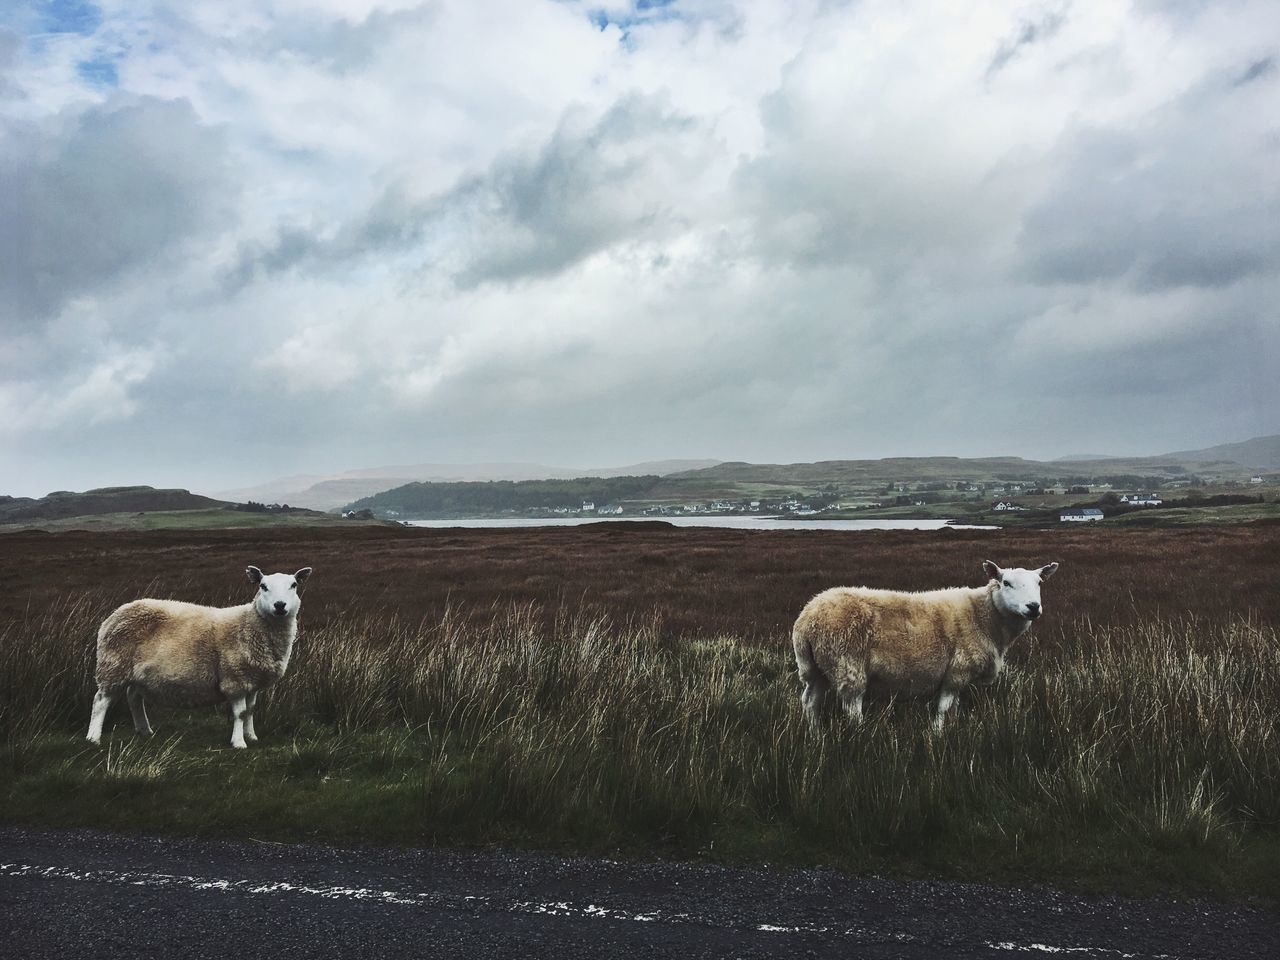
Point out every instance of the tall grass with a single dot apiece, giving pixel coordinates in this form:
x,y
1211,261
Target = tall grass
x,y
1159,736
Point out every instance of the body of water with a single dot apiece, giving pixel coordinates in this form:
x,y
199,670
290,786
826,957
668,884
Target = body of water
x,y
732,523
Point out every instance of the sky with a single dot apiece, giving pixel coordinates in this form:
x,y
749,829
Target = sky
x,y
247,240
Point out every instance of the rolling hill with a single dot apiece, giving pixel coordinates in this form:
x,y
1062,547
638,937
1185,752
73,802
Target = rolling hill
x,y
1262,453
330,493
64,503
1228,461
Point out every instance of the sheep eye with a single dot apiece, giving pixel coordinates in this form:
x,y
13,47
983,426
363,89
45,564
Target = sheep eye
x,y
293,586
264,588
1006,583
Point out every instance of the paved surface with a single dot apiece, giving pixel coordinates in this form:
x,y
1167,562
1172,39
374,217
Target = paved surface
x,y
69,894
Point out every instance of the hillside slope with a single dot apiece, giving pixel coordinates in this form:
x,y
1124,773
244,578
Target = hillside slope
x,y
1260,452
329,493
1234,461
63,503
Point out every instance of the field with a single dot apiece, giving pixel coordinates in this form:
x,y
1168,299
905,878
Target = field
x,y
630,688
215,519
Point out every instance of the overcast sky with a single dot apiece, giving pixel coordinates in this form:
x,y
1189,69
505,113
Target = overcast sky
x,y
239,241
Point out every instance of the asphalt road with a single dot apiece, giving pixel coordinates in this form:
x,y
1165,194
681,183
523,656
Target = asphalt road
x,y
69,894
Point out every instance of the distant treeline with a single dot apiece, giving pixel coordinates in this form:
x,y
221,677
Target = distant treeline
x,y
253,506
496,496
1122,481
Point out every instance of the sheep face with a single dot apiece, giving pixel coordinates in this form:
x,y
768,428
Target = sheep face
x,y
278,595
1017,592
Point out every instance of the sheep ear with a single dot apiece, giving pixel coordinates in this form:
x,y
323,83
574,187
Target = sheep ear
x,y
991,569
302,574
254,574
1048,571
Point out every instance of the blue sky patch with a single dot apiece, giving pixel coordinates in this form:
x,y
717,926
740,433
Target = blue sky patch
x,y
99,72
69,16
642,11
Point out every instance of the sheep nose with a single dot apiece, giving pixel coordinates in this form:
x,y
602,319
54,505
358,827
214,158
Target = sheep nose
x,y
1033,609
280,605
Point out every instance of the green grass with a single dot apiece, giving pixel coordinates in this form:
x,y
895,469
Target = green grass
x,y
1142,758
1236,513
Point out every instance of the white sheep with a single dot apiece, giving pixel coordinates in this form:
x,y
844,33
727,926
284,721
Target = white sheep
x,y
187,654
933,643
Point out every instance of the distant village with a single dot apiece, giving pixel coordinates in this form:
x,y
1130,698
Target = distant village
x,y
1007,498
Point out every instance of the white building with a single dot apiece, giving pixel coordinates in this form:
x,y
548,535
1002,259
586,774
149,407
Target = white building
x,y
1142,500
588,506
1255,479
1006,505
609,510
1079,515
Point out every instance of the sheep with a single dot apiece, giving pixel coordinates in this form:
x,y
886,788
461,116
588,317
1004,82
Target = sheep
x,y
191,655
933,643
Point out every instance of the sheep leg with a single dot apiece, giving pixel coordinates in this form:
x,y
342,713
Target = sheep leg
x,y
851,700
250,702
238,713
138,707
814,695
814,699
945,699
102,701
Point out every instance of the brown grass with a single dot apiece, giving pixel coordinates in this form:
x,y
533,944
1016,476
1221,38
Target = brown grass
x,y
633,686
746,584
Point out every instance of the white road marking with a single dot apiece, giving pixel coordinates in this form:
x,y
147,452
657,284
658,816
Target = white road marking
x,y
465,903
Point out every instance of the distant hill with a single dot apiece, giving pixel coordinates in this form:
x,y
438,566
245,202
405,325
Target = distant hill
x,y
890,468
1260,452
63,503
330,493
472,498
1232,460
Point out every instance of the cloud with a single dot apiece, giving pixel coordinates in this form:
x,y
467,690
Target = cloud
x,y
102,393
90,197
1163,204
1262,67
1029,32
325,236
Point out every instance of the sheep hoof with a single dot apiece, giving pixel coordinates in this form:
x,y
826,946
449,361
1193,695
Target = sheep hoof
x,y
241,745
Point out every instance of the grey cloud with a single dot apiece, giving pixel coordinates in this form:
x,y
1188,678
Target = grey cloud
x,y
1164,206
88,197
340,44
1256,70
583,192
10,47
1029,32
10,58
528,215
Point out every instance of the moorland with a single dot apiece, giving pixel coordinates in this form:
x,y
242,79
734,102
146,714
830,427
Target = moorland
x,y
629,687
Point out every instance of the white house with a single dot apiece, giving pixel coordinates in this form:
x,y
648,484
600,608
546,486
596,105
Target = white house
x,y
1006,505
609,509
1142,499
1255,479
588,506
1079,515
